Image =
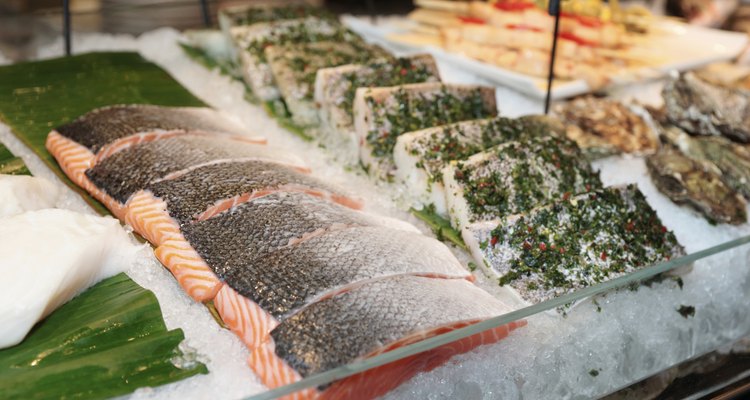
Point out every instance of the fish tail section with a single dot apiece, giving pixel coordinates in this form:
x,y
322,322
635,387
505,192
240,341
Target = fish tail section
x,y
193,274
149,217
245,318
378,381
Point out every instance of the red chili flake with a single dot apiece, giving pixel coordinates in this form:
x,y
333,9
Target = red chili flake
x,y
526,245
557,164
566,196
493,241
552,246
603,256
403,71
562,250
630,226
436,147
529,229
668,258
542,246
663,229
588,187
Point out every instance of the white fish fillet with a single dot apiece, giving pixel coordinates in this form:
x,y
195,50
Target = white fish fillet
x,y
48,257
19,194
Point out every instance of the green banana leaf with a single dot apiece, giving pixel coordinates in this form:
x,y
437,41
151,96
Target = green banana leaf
x,y
106,342
35,97
10,164
111,339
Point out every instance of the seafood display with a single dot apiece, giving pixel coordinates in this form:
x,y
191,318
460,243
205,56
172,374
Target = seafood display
x,y
79,251
572,243
381,115
420,156
703,109
686,181
19,194
515,177
246,227
603,127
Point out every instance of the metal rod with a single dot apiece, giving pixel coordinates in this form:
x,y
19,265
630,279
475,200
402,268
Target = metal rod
x,y
206,13
554,9
66,25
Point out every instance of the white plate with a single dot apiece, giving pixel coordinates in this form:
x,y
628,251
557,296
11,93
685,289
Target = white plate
x,y
682,46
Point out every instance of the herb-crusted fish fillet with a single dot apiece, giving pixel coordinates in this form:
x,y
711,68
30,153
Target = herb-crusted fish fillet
x,y
381,115
80,144
158,211
254,228
375,318
689,182
294,67
703,109
420,156
252,40
261,292
272,10
515,177
571,244
116,178
335,87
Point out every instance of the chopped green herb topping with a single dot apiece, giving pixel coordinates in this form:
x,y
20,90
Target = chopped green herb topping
x,y
686,311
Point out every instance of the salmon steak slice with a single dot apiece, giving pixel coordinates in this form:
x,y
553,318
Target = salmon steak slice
x,y
259,293
253,228
374,318
158,211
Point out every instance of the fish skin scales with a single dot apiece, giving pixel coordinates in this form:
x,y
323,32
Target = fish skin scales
x,y
193,193
292,277
127,171
268,223
105,125
376,317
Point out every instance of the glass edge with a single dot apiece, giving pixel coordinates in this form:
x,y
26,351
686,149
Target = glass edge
x,y
440,340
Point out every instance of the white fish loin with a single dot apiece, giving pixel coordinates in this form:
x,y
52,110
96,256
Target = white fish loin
x,y
19,194
421,188
78,251
368,120
455,202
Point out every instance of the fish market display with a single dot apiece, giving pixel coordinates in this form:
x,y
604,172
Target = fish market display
x,y
116,178
686,181
246,227
107,130
703,109
78,251
381,115
732,159
603,127
515,177
573,243
19,194
162,207
335,87
252,40
294,68
371,319
263,291
421,155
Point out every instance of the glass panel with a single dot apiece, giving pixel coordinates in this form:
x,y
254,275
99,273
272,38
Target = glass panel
x,y
718,262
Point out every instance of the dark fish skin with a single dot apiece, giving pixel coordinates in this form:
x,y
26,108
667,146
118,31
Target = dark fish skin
x,y
289,278
102,126
192,193
343,328
130,170
265,224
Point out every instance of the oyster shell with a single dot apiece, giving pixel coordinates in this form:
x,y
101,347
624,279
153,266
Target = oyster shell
x,y
731,160
604,127
703,109
688,182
